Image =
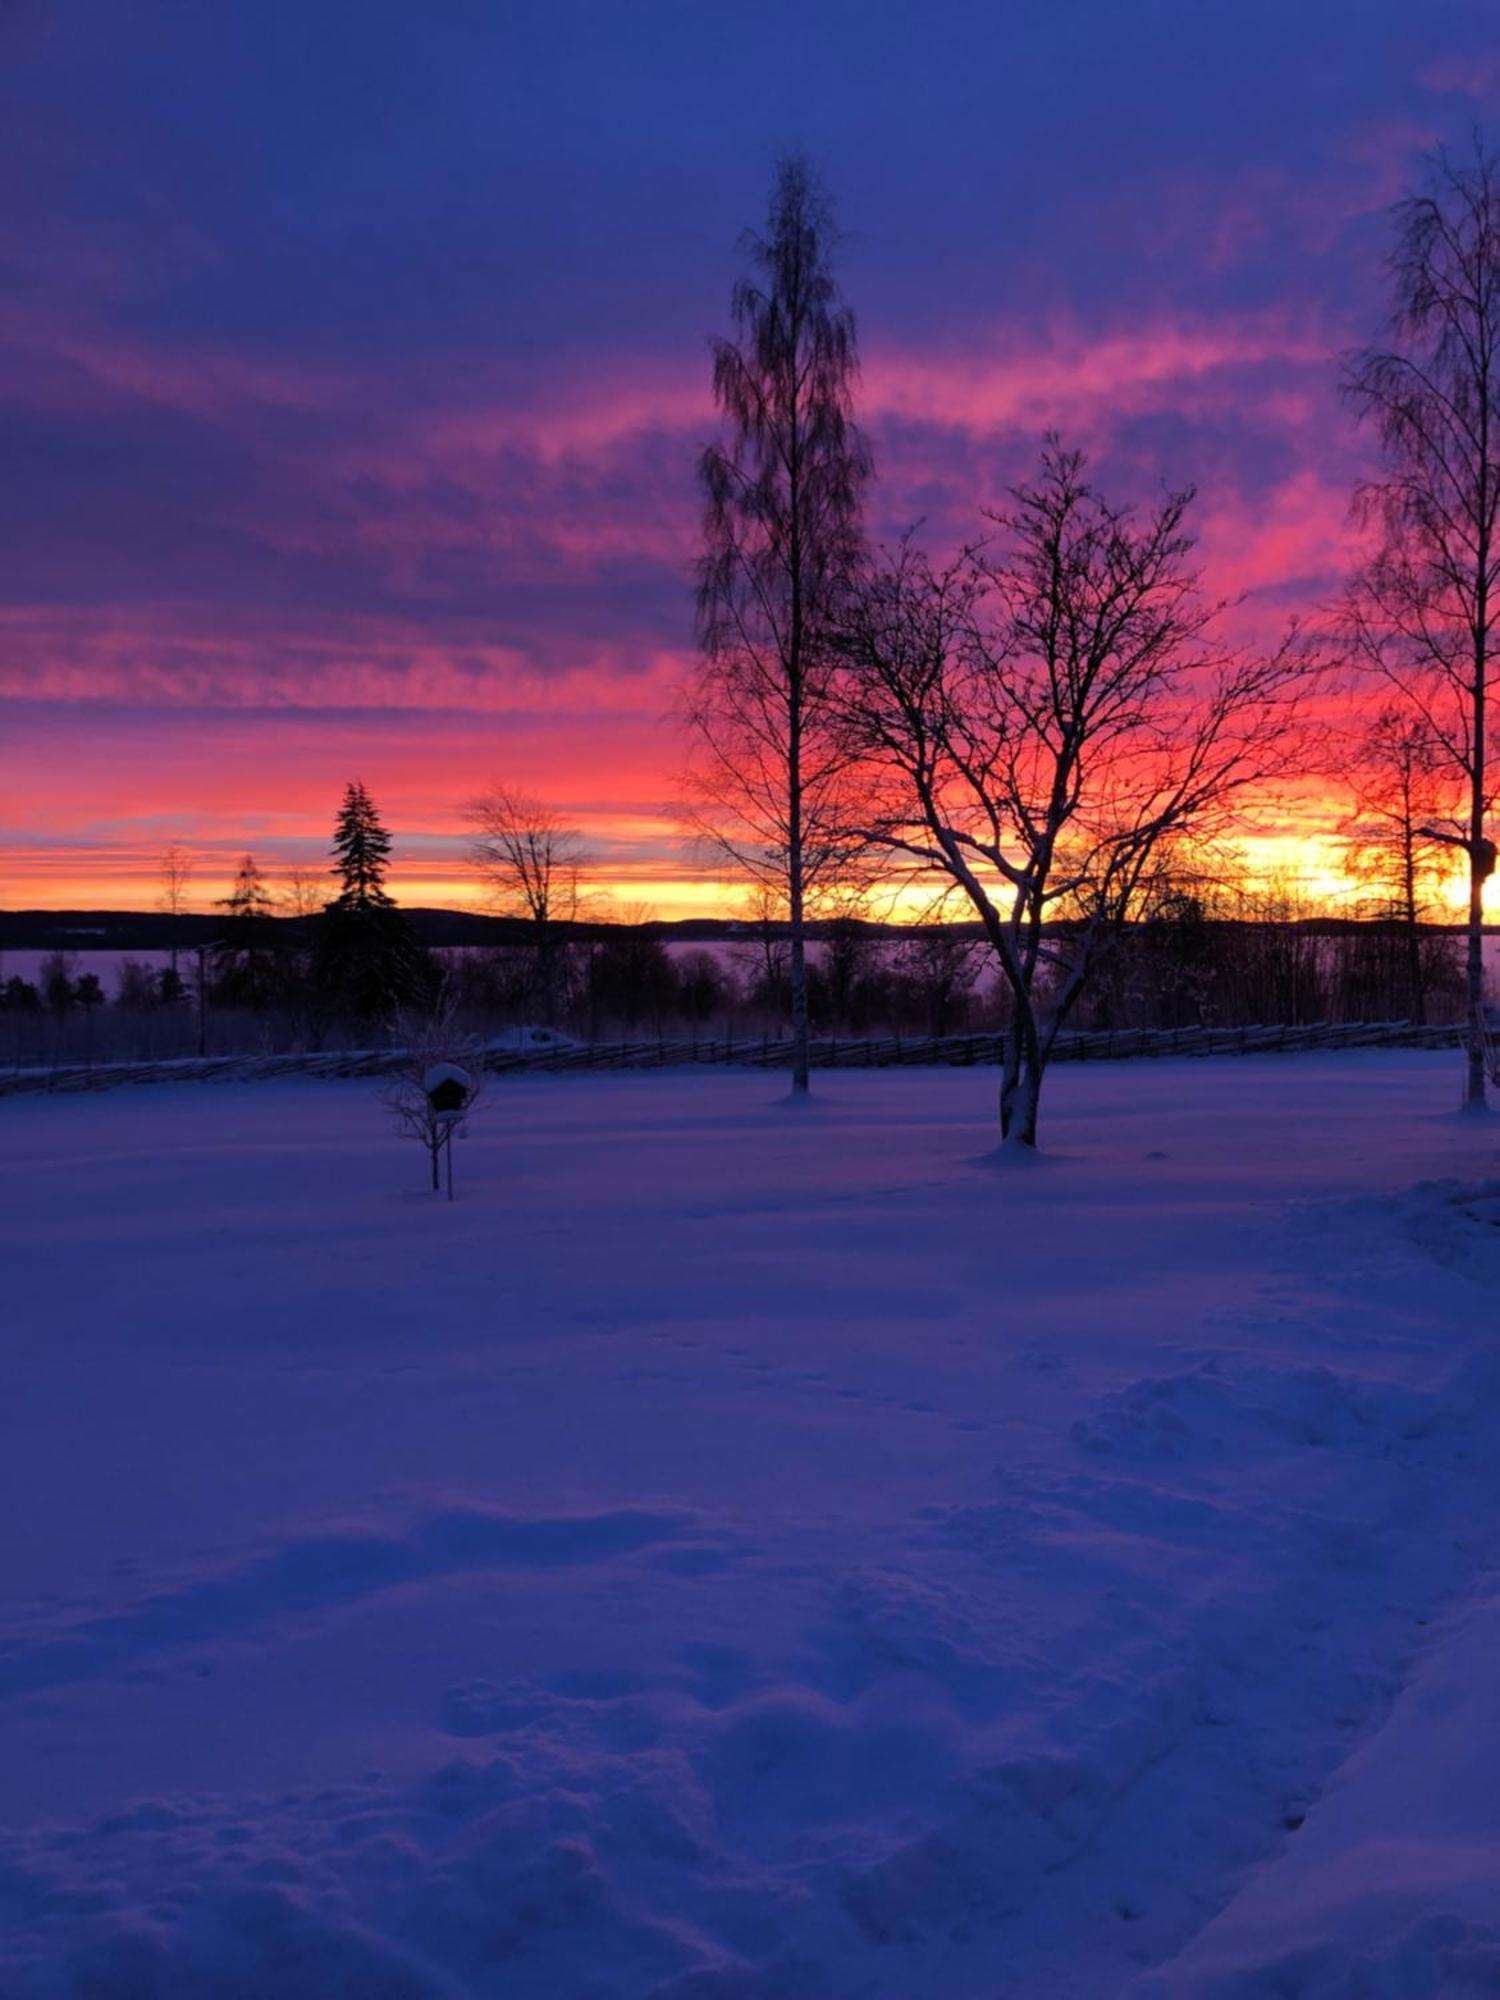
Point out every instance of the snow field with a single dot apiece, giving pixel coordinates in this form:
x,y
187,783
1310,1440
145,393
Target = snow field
x,y
737,1552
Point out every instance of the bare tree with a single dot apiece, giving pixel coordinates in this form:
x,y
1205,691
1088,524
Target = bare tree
x,y
781,532
431,1040
765,962
533,865
942,964
1045,722
1396,775
304,893
175,873
1421,609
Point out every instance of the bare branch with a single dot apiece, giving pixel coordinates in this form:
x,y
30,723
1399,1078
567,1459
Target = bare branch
x,y
1045,718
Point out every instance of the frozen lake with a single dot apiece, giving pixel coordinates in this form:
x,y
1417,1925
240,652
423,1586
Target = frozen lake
x,y
742,956
744,1553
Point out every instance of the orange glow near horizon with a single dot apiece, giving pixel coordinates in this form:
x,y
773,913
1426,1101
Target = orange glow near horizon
x,y
233,729
384,464
232,726
1306,867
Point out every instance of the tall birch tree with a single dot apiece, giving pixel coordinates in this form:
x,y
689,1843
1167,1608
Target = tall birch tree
x,y
175,873
1422,607
781,539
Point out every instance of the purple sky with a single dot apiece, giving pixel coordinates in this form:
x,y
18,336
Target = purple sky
x,y
352,362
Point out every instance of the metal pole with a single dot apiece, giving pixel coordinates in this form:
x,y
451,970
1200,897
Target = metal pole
x,y
450,1163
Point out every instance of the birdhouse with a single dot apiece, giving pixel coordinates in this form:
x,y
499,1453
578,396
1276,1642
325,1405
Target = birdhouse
x,y
448,1089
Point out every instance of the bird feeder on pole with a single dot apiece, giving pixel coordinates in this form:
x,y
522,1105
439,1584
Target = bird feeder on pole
x,y
449,1090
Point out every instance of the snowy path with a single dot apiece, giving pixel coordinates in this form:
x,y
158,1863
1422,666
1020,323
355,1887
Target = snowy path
x,y
735,1553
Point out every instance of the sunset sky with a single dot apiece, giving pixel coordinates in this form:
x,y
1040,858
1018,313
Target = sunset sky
x,y
353,365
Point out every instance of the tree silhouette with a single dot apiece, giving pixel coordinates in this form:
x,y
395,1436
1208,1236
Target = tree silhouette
x,y
781,534
368,959
1422,608
362,849
242,962
1045,723
533,865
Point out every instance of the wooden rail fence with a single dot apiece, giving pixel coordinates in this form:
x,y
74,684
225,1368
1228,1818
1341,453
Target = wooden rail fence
x,y
857,1052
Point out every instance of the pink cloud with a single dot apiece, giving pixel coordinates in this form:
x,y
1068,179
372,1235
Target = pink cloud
x,y
992,385
168,654
1476,76
257,715
195,379
1297,538
1070,378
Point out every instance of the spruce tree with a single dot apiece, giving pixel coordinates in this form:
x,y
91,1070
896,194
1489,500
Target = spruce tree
x,y
362,849
243,957
368,958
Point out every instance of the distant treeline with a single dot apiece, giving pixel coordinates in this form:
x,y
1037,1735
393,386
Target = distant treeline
x,y
356,971
272,994
126,931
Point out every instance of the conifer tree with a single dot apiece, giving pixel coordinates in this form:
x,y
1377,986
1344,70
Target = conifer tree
x,y
361,848
242,962
368,958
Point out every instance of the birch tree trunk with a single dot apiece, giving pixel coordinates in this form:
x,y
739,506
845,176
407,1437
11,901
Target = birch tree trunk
x,y
782,541
1421,607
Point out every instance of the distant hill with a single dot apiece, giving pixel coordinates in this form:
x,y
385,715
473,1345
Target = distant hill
x,y
151,930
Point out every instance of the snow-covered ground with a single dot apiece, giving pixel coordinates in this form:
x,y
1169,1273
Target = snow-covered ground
x,y
739,1553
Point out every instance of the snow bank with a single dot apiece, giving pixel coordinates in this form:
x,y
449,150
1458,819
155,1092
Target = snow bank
x,y
1390,1885
722,1555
